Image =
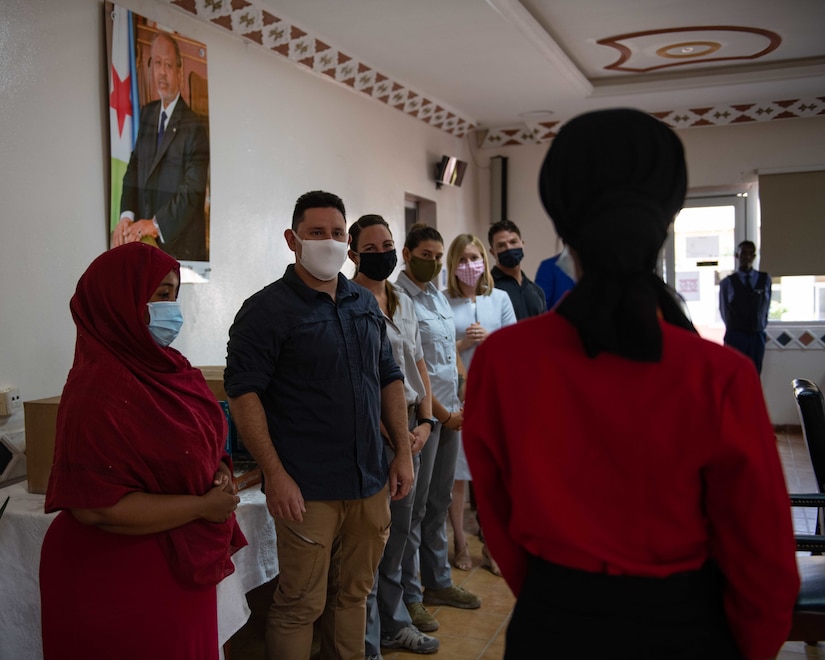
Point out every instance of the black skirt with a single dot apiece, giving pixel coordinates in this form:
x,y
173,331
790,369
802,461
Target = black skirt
x,y
569,614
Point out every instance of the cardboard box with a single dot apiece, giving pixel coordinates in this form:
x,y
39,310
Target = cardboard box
x,y
41,422
234,443
214,378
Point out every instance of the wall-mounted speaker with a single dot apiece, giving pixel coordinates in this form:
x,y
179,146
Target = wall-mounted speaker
x,y
449,171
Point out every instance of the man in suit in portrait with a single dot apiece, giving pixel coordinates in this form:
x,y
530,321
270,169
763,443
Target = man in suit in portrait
x,y
164,188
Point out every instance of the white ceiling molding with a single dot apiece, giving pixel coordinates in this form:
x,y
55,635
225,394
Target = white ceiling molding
x,y
515,13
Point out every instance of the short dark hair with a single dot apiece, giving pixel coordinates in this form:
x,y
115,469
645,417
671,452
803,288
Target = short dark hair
x,y
744,243
502,225
419,233
316,199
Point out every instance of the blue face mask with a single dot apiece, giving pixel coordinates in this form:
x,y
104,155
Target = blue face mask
x,y
165,321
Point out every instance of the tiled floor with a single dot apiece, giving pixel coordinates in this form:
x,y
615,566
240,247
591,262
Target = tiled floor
x,y
479,634
799,478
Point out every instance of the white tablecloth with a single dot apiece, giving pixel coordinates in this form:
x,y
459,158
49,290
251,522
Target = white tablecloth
x,y
24,525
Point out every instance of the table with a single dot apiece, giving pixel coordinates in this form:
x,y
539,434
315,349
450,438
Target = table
x,y
24,525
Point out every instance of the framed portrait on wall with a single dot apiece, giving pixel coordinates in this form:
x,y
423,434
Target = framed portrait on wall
x,y
159,140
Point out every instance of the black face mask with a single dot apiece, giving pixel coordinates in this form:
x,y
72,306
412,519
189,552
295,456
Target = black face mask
x,y
511,258
377,266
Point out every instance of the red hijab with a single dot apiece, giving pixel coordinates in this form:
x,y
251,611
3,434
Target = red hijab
x,y
136,417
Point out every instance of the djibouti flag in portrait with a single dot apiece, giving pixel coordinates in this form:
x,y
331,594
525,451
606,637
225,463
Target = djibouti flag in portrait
x,y
123,100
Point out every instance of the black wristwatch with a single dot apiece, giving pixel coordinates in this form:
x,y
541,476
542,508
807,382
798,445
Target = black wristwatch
x,y
426,420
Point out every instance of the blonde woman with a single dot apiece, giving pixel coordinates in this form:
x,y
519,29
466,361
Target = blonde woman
x,y
478,309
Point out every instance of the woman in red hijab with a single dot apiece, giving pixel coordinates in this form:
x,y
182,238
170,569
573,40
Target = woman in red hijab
x,y
130,566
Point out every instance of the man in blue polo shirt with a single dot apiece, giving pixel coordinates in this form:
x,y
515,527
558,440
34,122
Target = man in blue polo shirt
x,y
310,376
507,249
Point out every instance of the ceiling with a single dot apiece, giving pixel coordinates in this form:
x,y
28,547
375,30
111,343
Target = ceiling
x,y
518,68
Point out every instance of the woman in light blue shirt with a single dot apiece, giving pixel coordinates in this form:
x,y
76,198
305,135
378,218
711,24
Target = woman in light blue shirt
x,y
478,309
427,574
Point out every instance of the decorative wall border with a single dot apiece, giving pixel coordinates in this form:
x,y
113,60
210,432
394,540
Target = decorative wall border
x,y
259,26
723,115
805,337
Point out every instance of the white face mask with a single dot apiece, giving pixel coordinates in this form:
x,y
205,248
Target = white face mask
x,y
323,259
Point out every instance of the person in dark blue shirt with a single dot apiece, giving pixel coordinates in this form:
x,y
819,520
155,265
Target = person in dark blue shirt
x,y
553,280
507,249
310,375
744,303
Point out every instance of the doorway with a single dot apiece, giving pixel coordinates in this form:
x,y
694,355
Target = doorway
x,y
699,253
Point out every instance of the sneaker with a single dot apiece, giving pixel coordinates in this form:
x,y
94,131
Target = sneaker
x,y
421,618
453,596
412,639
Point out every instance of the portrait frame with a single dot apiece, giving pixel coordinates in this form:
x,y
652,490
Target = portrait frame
x,y
163,174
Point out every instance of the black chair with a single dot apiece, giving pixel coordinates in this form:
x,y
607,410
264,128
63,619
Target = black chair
x,y
811,407
809,615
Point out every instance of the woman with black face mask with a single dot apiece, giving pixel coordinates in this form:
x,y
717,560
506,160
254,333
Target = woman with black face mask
x,y
372,250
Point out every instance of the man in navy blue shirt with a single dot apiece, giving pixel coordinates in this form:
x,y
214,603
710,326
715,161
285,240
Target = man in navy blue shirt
x,y
310,376
507,249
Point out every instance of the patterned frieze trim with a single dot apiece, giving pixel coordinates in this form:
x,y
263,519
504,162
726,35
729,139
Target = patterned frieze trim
x,y
257,25
798,337
743,113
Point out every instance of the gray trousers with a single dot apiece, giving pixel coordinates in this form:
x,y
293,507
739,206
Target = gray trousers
x,y
386,612
426,563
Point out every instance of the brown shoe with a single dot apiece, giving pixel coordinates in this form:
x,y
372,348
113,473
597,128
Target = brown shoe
x,y
421,618
453,596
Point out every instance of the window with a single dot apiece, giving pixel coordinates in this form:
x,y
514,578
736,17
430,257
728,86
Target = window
x,y
798,298
700,250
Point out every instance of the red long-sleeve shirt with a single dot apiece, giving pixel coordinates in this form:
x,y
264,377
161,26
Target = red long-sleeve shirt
x,y
623,467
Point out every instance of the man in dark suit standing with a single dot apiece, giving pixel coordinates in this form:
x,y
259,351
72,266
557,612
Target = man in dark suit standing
x,y
744,303
164,188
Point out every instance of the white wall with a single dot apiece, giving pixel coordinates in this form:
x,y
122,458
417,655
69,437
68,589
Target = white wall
x,y
720,158
277,131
